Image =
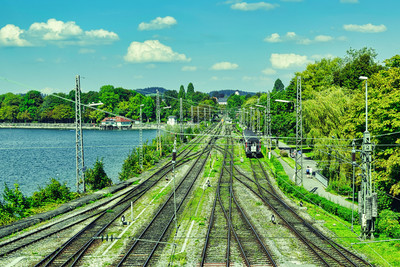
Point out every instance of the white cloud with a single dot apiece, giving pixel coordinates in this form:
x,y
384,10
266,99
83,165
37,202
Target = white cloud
x,y
285,61
273,38
55,30
293,37
366,28
224,66
319,57
189,68
152,51
323,38
349,1
10,35
244,6
101,34
269,71
157,24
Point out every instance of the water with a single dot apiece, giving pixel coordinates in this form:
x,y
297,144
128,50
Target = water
x,y
30,157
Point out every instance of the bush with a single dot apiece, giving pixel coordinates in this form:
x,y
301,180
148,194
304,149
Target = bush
x,y
55,192
97,178
287,186
388,223
16,203
284,153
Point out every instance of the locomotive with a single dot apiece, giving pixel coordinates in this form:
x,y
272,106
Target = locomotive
x,y
252,144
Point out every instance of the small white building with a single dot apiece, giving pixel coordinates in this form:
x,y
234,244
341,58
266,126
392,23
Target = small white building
x,y
172,120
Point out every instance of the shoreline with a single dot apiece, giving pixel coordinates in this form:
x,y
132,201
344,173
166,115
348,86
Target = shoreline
x,y
69,126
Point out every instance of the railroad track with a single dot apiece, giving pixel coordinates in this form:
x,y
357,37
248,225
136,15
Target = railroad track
x,y
15,244
141,249
228,220
322,249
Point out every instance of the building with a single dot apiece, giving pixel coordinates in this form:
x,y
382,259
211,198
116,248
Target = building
x,y
223,101
172,120
110,123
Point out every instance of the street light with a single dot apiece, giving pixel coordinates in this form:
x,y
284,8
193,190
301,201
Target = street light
x,y
366,101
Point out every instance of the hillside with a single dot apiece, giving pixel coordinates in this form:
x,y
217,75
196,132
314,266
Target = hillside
x,y
151,90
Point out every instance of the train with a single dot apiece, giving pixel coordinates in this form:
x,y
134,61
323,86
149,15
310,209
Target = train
x,y
252,144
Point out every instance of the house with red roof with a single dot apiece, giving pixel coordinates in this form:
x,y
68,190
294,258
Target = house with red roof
x,y
110,123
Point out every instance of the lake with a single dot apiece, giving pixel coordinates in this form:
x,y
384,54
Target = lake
x,y
30,157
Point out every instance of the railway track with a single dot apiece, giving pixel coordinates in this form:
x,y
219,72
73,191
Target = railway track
x,y
141,249
14,244
96,214
236,225
322,250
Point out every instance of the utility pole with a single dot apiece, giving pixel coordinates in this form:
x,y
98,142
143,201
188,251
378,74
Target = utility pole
x,y
173,172
198,114
299,136
268,123
191,113
181,113
209,114
368,200
158,124
80,163
205,115
141,139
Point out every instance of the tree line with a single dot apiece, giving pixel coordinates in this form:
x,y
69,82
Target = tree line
x,y
36,107
333,98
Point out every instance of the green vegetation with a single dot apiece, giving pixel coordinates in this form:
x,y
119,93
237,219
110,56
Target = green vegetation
x,y
131,166
97,178
35,107
16,206
333,99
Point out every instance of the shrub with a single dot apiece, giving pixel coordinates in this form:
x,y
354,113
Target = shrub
x,y
97,178
55,192
284,153
16,203
388,223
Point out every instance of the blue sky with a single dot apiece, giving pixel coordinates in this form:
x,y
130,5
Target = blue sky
x,y
216,45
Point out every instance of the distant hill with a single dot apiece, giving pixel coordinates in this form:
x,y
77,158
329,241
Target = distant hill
x,y
151,90
227,93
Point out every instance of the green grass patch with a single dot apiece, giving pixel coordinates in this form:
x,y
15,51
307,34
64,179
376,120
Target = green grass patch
x,y
337,219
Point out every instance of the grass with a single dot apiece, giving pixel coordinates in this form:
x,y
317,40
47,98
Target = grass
x,y
379,254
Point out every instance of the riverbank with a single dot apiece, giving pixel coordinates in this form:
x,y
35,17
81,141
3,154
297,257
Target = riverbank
x,y
68,126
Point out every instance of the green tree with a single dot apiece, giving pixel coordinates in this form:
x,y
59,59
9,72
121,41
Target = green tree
x,y
149,109
393,62
97,178
63,113
190,91
181,93
278,86
31,103
108,97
